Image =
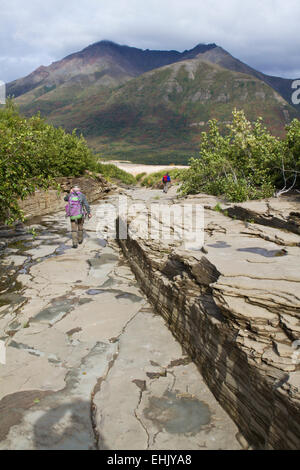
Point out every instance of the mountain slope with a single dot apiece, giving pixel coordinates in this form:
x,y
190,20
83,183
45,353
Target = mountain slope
x,y
145,105
101,64
106,64
221,57
159,115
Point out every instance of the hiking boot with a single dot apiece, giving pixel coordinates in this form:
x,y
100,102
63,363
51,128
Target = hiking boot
x,y
75,246
81,241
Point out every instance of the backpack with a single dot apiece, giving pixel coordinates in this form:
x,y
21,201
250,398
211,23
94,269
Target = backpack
x,y
74,207
165,178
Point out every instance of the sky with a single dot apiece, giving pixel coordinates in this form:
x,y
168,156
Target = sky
x,y
262,33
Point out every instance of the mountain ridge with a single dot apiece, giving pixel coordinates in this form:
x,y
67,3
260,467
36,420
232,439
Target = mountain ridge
x,y
132,61
130,102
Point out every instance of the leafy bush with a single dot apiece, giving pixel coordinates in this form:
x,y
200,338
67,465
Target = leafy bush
x,y
243,164
140,176
288,168
32,154
218,208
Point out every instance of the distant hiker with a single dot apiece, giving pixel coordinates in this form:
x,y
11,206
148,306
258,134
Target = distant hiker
x,y
77,209
166,181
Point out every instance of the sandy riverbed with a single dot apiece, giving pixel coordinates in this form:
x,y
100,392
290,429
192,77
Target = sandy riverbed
x,y
136,168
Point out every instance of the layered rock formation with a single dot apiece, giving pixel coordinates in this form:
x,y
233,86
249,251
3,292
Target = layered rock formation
x,y
234,305
282,213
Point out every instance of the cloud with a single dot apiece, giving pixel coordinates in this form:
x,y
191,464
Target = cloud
x,y
262,33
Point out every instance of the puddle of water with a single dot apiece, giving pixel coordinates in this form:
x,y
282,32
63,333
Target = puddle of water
x,y
128,295
264,252
220,245
117,293
178,415
95,291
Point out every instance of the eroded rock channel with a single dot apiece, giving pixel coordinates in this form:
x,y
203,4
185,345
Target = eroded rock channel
x,y
234,306
89,363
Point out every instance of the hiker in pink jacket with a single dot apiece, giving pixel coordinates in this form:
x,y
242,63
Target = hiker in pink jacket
x,y
77,209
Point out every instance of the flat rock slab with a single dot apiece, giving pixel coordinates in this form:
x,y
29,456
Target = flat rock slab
x,y
102,319
65,269
56,421
165,403
17,260
42,251
24,371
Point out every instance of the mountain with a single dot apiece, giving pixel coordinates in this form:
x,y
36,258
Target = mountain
x,y
219,56
148,105
159,115
105,63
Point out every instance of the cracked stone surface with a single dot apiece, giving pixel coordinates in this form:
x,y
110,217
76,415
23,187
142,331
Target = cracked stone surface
x,y
87,358
234,305
159,398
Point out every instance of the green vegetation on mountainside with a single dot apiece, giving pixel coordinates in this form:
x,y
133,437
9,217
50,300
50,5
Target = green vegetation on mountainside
x,y
158,117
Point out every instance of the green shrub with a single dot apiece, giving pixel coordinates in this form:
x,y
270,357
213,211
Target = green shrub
x,y
140,176
32,154
243,164
218,208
